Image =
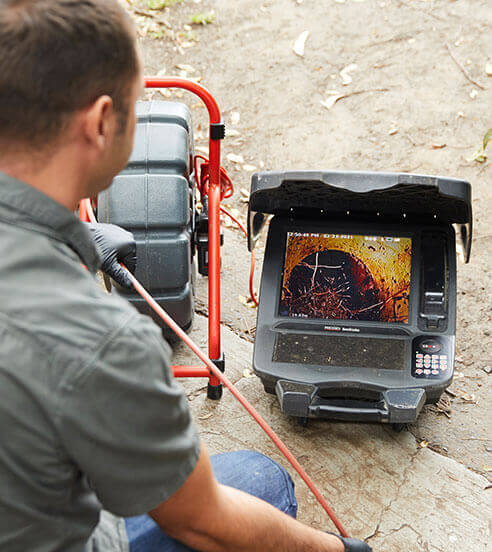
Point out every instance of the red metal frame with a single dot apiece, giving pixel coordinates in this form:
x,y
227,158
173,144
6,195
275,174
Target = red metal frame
x,y
214,198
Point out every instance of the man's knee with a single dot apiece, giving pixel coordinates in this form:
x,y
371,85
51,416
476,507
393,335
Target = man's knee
x,y
257,475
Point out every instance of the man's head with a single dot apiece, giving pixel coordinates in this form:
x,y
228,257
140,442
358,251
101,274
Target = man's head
x,y
69,71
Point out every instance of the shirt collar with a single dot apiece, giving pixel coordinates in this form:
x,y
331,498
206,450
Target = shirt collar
x,y
23,205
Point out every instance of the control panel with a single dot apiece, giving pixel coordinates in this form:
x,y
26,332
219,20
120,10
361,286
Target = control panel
x,y
432,357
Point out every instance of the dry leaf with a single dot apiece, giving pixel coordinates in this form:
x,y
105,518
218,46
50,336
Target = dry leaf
x,y
239,159
468,397
235,117
244,195
300,43
247,302
331,101
473,94
488,68
184,67
424,444
230,132
248,373
478,156
249,168
393,130
438,146
206,416
344,73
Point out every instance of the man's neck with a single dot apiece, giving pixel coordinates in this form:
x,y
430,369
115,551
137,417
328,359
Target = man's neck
x,y
55,177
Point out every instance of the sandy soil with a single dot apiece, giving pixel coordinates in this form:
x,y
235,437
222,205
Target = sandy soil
x,y
409,107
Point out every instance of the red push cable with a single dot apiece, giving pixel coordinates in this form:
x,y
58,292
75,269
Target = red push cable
x,y
87,212
252,269
248,407
226,190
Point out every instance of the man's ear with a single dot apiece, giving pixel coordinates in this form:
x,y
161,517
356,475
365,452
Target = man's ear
x,y
100,123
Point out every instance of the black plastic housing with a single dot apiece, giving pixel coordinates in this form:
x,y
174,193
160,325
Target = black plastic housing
x,y
154,199
375,373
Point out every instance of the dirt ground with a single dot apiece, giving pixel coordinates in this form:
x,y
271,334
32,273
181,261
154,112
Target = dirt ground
x,y
419,100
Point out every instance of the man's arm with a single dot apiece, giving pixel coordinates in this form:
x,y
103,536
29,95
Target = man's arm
x,y
208,516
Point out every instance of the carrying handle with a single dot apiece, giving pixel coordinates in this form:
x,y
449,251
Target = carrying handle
x,y
303,400
325,408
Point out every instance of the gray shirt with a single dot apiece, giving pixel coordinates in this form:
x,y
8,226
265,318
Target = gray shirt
x,y
90,415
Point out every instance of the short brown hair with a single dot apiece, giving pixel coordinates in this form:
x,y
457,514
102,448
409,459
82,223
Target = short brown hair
x,y
58,56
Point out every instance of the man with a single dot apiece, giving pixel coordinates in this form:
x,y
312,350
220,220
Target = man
x,y
94,428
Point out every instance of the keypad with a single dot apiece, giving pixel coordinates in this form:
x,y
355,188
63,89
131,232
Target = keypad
x,y
430,365
430,359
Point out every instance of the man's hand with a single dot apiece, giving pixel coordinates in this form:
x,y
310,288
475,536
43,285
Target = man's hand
x,y
207,516
354,545
115,245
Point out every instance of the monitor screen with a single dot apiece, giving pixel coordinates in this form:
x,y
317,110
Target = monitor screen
x,y
346,277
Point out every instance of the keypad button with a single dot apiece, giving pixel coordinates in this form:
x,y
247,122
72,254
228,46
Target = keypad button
x,y
418,371
435,372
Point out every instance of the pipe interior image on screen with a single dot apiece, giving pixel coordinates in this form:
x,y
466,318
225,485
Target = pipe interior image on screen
x,y
346,277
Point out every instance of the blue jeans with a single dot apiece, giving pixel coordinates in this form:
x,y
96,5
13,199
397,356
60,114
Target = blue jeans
x,y
248,471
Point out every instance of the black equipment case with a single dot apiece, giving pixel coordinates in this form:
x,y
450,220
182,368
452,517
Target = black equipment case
x,y
154,199
357,309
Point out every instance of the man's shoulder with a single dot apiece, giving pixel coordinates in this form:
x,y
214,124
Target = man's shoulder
x,y
48,297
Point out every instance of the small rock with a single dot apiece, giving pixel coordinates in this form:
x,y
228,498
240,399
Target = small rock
x,y
487,369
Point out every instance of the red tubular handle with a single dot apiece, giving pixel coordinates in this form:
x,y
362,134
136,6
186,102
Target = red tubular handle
x,y
214,344
214,197
190,372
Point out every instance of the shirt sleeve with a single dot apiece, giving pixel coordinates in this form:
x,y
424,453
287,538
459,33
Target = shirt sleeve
x,y
125,422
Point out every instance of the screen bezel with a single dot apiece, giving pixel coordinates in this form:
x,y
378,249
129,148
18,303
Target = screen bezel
x,y
340,321
275,259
